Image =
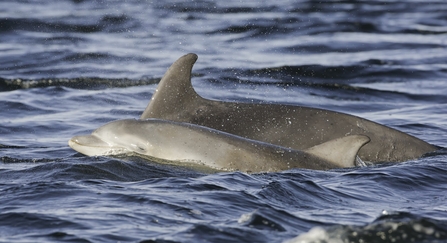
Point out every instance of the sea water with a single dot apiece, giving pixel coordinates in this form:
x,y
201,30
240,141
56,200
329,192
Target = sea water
x,y
68,67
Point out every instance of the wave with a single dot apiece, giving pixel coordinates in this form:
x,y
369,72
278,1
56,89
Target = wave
x,y
78,83
398,227
106,23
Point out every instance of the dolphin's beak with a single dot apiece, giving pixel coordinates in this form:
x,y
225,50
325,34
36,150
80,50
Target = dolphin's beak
x,y
90,145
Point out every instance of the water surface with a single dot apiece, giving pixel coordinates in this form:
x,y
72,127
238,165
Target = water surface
x,y
67,67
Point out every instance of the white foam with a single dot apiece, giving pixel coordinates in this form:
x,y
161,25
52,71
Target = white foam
x,y
316,234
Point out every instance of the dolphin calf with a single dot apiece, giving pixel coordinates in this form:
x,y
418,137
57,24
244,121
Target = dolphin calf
x,y
189,143
295,127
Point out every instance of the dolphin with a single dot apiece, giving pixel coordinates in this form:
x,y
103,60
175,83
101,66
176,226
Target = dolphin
x,y
296,127
189,143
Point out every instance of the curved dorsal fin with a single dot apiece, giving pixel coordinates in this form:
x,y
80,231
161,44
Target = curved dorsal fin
x,y
341,151
174,90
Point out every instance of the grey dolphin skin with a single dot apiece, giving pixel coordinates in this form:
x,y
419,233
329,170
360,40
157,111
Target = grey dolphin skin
x,y
189,143
295,127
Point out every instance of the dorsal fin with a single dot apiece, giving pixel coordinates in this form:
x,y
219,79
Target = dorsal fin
x,y
341,151
174,90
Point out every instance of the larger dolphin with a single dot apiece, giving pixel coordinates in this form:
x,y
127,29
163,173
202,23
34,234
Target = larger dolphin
x,y
188,143
296,127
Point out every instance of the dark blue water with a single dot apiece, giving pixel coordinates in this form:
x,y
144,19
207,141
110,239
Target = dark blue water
x,y
67,67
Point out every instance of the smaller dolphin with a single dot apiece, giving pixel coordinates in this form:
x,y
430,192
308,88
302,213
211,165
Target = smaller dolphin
x,y
189,143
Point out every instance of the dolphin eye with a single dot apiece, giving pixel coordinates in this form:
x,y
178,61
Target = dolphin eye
x,y
141,148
